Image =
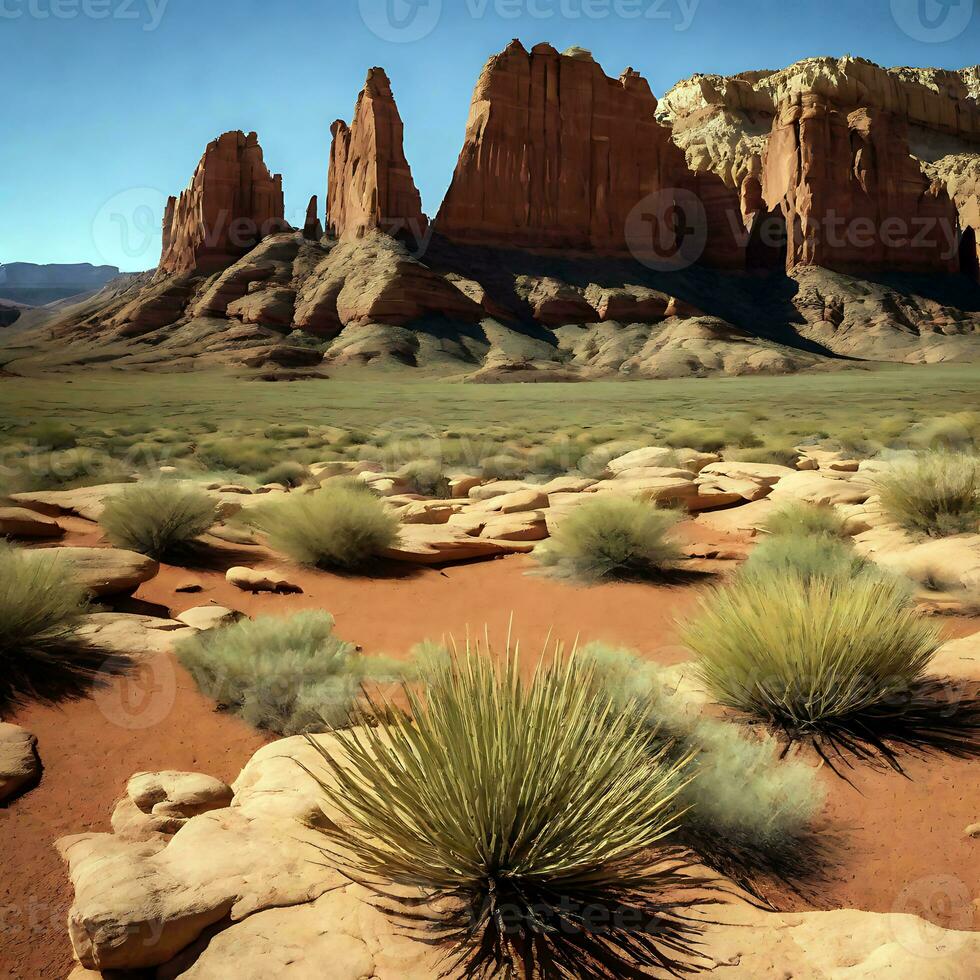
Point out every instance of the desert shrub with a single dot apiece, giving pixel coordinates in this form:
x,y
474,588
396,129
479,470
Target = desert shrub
x,y
558,458
937,494
529,814
797,520
67,470
808,557
696,435
240,455
953,433
425,476
288,675
160,520
811,656
338,526
288,473
285,432
52,435
746,808
41,606
595,461
612,537
504,467
780,452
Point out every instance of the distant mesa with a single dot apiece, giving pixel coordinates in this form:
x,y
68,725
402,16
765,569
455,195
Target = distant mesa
x,y
27,284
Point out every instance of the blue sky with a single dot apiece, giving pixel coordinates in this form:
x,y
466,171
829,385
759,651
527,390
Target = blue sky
x,y
107,104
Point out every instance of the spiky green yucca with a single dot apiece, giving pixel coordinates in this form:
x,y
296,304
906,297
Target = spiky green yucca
x,y
799,519
41,608
938,494
159,520
531,812
811,655
339,526
288,675
612,537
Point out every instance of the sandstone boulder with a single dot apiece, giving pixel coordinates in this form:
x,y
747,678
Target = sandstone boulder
x,y
19,762
260,580
109,571
18,522
130,635
209,617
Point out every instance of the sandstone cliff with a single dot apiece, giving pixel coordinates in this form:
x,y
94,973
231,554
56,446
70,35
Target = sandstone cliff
x,y
370,182
231,204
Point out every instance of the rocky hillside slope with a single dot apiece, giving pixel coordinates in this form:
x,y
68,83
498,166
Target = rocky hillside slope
x,y
769,222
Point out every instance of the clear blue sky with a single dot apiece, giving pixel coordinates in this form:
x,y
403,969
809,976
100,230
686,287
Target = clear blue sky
x,y
107,107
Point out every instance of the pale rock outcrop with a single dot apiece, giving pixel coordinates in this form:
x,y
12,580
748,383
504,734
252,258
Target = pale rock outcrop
x,y
130,634
260,580
19,762
18,522
208,617
108,571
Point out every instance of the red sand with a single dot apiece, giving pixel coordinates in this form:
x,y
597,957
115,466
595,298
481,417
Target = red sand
x,y
904,846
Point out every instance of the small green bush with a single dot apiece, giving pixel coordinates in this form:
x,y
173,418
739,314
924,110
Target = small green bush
x,y
240,455
285,432
66,470
809,557
504,467
696,435
160,520
53,435
290,676
426,477
937,494
810,655
41,608
530,815
339,526
289,474
801,519
612,537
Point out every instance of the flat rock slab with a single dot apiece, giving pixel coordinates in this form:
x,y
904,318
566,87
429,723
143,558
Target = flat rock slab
x,y
209,617
87,502
108,571
746,519
425,544
815,488
19,762
958,659
19,522
129,635
260,580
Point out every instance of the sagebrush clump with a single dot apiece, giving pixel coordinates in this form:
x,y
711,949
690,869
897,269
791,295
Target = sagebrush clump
x,y
341,526
41,610
484,803
612,537
802,519
289,676
806,556
161,520
937,494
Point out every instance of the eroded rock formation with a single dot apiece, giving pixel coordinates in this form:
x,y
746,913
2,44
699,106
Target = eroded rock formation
x,y
231,204
559,155
370,183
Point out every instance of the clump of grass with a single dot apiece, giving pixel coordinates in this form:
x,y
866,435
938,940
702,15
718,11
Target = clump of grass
x,y
66,470
747,811
289,474
612,537
809,557
782,453
289,676
340,526
241,455
161,520
824,658
697,435
41,608
504,467
285,432
937,494
52,435
801,519
426,477
485,802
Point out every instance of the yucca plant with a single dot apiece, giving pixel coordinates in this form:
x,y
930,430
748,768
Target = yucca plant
x,y
531,816
830,658
41,609
341,526
937,494
160,520
612,537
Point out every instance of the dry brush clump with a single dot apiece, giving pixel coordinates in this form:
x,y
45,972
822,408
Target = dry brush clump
x,y
341,526
161,520
288,675
612,537
530,815
803,519
41,609
835,659
937,494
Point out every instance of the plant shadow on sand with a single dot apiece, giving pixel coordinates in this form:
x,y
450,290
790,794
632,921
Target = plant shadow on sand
x,y
65,674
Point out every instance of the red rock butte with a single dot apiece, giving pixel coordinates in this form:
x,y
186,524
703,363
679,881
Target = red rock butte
x,y
370,180
231,204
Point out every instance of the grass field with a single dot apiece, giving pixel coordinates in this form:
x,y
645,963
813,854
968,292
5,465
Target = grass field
x,y
218,418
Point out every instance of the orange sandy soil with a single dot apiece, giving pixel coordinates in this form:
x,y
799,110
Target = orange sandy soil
x,y
901,846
